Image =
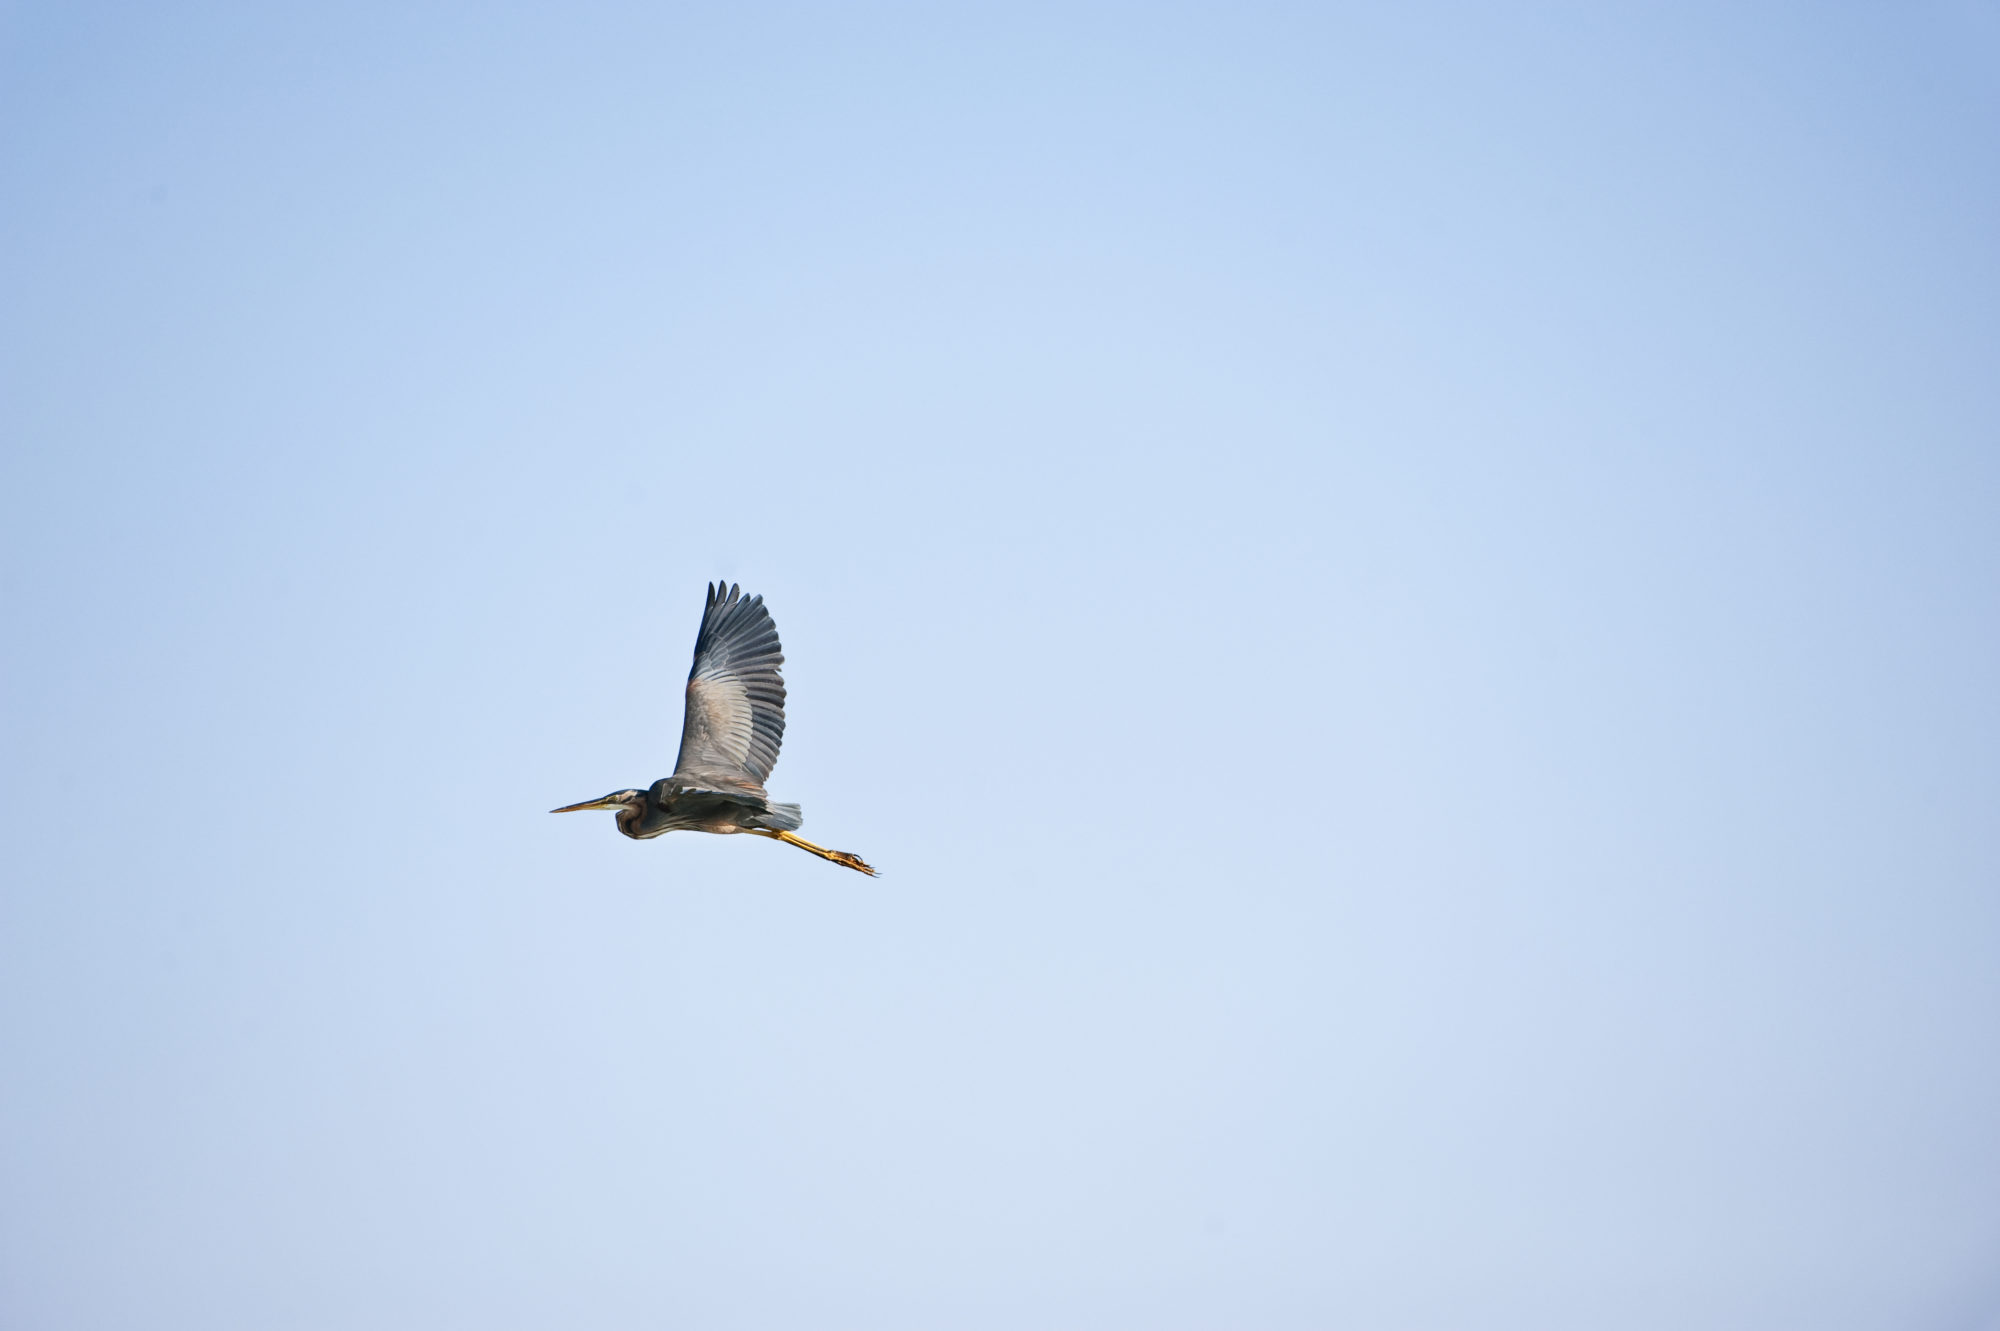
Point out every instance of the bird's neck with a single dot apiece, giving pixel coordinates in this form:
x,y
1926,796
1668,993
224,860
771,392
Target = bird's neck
x,y
628,820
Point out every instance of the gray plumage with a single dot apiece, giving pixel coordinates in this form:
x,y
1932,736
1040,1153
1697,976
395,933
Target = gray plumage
x,y
732,727
735,696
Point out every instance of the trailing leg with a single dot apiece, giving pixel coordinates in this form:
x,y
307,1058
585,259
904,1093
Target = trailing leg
x,y
841,857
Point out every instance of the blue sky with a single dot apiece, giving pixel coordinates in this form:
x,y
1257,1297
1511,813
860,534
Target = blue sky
x,y
1405,596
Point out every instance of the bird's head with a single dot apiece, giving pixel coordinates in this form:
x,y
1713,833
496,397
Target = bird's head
x,y
634,800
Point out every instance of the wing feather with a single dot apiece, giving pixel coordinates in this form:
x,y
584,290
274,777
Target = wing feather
x,y
735,717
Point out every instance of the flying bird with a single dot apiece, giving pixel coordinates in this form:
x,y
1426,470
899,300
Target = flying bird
x,y
729,739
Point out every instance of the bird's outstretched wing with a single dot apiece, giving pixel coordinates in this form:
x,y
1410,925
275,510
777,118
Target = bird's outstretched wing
x,y
735,695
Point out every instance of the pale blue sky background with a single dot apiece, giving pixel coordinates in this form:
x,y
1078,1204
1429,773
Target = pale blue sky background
x,y
1406,595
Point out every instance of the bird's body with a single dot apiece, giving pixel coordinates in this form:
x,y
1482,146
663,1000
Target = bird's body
x,y
668,808
734,723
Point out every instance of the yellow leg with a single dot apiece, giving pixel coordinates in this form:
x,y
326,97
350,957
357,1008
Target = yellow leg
x,y
854,862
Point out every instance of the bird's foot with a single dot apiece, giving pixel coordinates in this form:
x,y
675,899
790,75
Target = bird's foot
x,y
854,862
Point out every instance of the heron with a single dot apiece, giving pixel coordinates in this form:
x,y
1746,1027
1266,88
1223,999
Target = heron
x,y
734,722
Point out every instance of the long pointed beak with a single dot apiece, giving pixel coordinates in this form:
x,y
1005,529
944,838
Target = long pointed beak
x,y
605,803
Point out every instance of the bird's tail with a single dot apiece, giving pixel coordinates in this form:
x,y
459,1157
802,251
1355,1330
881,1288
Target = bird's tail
x,y
781,818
